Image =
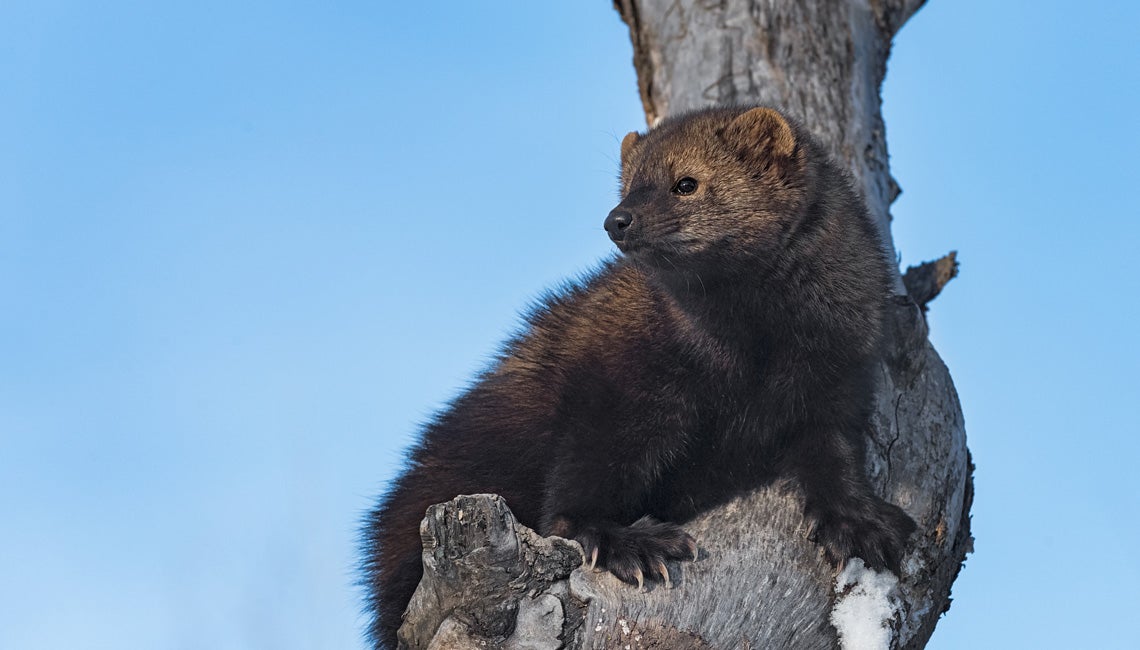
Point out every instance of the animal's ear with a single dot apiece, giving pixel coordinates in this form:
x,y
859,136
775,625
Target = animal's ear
x,y
762,130
627,143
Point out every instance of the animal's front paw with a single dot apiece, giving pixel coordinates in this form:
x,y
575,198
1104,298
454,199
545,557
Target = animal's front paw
x,y
635,552
875,531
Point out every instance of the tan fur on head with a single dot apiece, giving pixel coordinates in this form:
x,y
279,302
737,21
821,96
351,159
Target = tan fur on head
x,y
627,143
765,128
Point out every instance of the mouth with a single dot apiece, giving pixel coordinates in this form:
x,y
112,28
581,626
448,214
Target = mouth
x,y
670,246
653,257
628,247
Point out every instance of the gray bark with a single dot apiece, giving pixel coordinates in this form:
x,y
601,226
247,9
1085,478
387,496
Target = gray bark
x,y
758,583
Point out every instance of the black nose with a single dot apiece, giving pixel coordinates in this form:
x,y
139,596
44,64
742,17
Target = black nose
x,y
617,223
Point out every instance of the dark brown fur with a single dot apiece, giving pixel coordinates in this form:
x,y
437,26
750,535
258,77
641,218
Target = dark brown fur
x,y
732,344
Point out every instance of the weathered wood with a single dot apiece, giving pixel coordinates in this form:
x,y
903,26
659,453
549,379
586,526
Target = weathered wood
x,y
758,582
488,577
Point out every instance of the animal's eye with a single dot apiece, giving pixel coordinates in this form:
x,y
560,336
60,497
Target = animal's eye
x,y
685,186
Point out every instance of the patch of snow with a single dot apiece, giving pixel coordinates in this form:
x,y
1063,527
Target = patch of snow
x,y
913,564
866,606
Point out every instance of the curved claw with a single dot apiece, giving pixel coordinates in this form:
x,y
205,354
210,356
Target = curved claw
x,y
811,529
640,580
593,559
664,574
692,544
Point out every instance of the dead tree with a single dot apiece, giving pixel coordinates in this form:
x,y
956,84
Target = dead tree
x,y
489,582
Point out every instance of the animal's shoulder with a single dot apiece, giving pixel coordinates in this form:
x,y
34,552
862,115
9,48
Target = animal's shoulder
x,y
589,318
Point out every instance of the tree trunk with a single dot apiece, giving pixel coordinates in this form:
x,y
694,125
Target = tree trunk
x,y
758,583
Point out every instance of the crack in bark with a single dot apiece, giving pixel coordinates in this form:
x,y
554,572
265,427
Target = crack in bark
x,y
898,432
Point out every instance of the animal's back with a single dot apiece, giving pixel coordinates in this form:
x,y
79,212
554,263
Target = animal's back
x,y
497,436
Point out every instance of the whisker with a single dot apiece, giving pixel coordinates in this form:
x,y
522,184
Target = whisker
x,y
678,252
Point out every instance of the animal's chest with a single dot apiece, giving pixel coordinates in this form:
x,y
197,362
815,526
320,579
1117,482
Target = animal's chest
x,y
735,423
739,420
732,449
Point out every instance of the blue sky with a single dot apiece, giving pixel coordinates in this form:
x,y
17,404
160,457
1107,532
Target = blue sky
x,y
246,248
